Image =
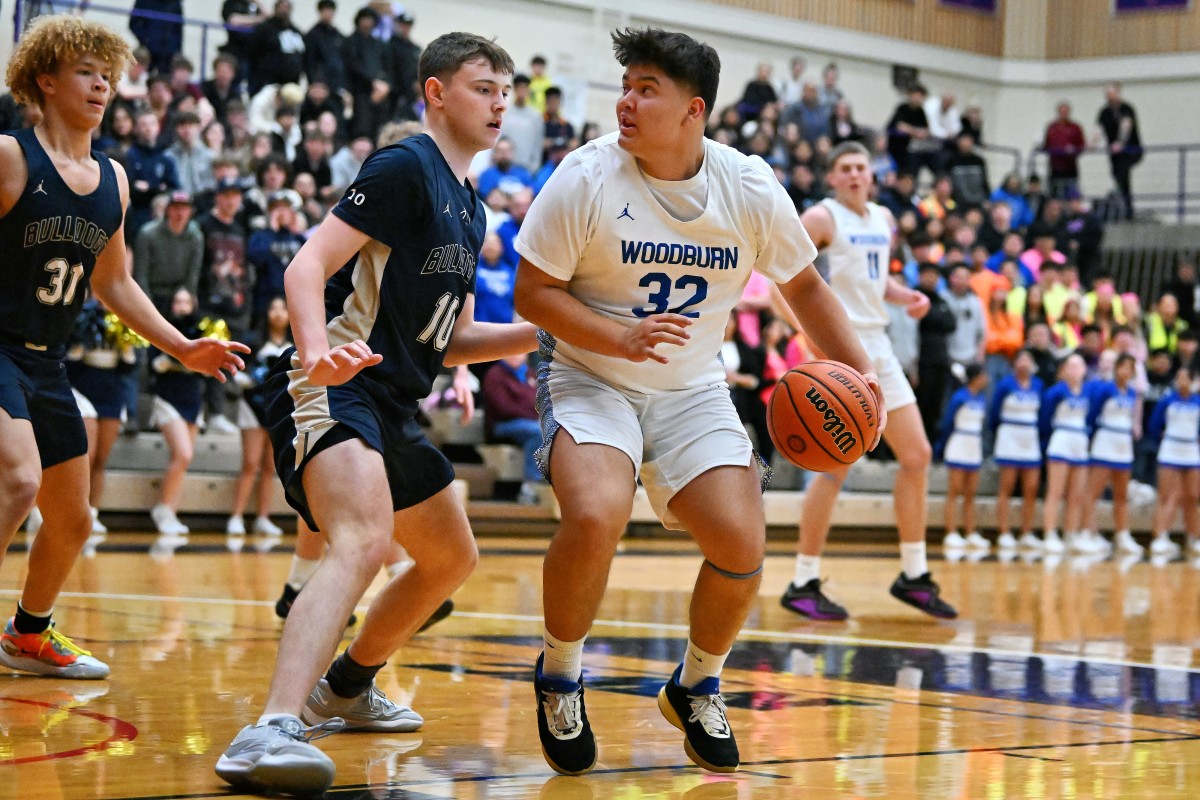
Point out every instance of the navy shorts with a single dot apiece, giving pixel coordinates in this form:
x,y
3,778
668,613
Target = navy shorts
x,y
107,389
34,386
303,420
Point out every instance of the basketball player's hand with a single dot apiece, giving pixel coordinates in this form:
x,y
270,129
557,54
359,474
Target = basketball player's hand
x,y
212,357
918,307
639,341
873,382
341,363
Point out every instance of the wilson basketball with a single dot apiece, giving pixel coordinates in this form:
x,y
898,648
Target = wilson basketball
x,y
822,416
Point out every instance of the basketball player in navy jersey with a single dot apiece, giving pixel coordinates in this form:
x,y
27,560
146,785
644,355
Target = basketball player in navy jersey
x,y
398,252
61,210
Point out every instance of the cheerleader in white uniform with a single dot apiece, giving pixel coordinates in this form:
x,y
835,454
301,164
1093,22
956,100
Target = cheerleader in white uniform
x,y
1013,418
1063,423
1176,424
1112,411
960,446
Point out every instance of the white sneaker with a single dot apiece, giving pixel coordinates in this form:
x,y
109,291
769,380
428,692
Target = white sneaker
x,y
1163,547
33,523
278,757
976,541
236,526
1031,541
954,541
1099,545
1079,541
1006,541
369,711
1051,543
166,522
263,525
97,525
1126,544
221,426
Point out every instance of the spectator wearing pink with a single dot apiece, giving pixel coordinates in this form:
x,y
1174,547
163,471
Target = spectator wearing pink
x,y
1044,242
756,298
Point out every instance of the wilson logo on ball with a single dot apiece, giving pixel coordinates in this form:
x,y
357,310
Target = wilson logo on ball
x,y
843,440
863,403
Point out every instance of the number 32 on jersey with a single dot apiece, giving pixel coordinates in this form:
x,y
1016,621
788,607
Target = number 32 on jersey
x,y
692,289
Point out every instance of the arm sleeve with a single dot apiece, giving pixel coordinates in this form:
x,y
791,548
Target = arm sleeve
x,y
784,246
388,198
561,220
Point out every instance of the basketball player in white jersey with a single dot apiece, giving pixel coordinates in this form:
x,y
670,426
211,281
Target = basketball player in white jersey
x,y
632,258
856,236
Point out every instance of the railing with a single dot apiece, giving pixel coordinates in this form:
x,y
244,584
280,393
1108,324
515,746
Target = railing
x,y
27,10
1166,169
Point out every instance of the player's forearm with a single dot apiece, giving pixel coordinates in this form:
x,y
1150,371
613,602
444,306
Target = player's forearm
x,y
898,295
559,313
127,300
825,321
304,286
489,341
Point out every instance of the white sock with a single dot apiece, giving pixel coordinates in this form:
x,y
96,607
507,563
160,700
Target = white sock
x,y
807,568
33,613
1124,534
698,665
562,659
912,559
302,570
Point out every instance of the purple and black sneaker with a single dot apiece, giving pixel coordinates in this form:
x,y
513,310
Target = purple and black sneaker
x,y
922,594
808,601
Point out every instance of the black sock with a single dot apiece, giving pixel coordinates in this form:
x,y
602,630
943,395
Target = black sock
x,y
25,622
348,678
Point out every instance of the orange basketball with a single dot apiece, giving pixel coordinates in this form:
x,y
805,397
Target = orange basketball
x,y
822,416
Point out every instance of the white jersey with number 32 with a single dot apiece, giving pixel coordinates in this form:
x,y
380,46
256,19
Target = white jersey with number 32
x,y
598,225
858,260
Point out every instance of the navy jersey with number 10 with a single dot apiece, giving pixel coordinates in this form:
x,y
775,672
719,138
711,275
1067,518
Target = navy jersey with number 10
x,y
51,239
403,291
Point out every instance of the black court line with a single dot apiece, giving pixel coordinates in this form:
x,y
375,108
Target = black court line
x,y
773,762
1034,758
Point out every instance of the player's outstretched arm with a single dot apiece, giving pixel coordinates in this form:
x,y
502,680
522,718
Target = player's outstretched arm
x,y
915,303
546,302
825,321
334,243
113,284
473,342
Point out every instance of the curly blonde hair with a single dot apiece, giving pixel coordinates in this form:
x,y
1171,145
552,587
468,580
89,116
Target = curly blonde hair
x,y
58,39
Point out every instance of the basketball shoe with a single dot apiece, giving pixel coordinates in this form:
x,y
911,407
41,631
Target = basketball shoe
x,y
370,711
922,593
700,713
809,601
278,757
567,740
48,653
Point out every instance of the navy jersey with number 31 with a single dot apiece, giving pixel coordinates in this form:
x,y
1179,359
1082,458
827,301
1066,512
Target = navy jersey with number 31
x,y
51,239
403,291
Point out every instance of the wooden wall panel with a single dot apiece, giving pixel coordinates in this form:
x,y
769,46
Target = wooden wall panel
x,y
925,21
1089,29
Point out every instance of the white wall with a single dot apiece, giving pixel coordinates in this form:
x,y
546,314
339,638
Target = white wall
x,y
1017,97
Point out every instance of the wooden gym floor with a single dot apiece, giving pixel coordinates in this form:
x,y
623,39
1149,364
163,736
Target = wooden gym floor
x,y
1073,680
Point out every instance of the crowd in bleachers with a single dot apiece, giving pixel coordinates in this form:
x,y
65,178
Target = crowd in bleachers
x,y
229,175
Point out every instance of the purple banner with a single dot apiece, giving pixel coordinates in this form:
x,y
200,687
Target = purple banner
x,y
987,6
1151,5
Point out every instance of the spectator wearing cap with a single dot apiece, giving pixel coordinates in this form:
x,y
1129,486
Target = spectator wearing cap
x,y
539,82
524,126
269,251
556,127
405,57
504,173
193,161
169,252
368,70
276,49
313,158
323,45
150,170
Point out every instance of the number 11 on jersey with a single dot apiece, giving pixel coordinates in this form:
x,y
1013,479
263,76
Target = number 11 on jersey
x,y
872,264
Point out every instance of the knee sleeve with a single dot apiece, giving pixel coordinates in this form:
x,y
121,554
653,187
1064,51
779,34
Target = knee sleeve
x,y
737,576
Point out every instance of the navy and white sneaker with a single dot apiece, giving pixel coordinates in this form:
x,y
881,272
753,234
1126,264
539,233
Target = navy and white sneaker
x,y
700,713
567,740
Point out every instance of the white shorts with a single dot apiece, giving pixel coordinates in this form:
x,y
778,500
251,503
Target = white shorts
x,y
246,420
86,409
1017,445
671,438
163,413
1068,445
1113,449
964,451
1178,454
897,391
